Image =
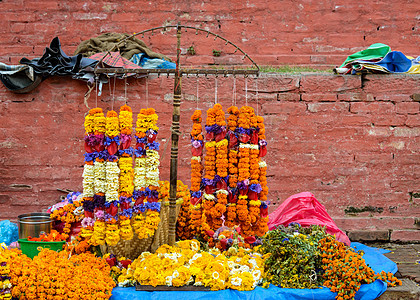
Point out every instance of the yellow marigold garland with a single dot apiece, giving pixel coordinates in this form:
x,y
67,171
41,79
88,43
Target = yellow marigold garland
x,y
88,175
125,195
99,232
146,180
112,141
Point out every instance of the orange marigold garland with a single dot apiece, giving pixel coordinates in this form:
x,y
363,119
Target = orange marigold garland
x,y
243,180
261,225
235,187
214,128
232,121
125,195
221,179
196,174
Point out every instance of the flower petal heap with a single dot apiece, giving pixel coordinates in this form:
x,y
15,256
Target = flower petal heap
x,y
185,264
58,275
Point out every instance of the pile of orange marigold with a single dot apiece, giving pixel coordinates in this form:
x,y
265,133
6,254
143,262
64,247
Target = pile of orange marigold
x,y
345,270
53,275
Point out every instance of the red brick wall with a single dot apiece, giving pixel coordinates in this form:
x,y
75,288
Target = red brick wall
x,y
356,148
272,32
354,144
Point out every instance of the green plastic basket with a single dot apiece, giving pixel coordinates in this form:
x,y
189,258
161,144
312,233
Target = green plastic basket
x,y
32,248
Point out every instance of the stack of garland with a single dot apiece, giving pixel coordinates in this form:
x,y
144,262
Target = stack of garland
x,y
117,198
233,189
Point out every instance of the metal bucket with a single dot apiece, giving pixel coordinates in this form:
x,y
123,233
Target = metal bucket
x,y
33,224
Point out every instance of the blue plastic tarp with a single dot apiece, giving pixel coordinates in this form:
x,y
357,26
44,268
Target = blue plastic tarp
x,y
8,232
373,256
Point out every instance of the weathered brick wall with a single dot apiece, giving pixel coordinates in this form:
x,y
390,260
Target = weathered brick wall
x,y
353,143
272,32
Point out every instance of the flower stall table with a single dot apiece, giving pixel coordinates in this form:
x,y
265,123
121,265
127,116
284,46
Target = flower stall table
x,y
373,256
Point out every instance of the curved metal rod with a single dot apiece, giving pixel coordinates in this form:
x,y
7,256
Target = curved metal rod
x,y
186,27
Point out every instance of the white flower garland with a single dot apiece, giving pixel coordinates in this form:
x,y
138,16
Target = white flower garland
x,y
88,181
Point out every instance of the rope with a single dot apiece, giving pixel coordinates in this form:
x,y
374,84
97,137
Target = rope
x,y
246,91
147,91
234,92
256,93
96,85
125,90
113,93
215,90
197,92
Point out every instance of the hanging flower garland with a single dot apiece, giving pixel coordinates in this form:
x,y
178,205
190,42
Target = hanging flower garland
x,y
210,173
221,179
244,162
112,141
197,145
254,171
232,121
146,179
88,175
127,176
99,121
261,226
222,163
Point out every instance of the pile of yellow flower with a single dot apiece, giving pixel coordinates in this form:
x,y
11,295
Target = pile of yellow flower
x,y
184,264
53,275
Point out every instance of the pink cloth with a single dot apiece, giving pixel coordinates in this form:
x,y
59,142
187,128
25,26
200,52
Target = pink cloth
x,y
304,209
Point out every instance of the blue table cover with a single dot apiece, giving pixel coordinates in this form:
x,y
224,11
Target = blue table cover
x,y
373,256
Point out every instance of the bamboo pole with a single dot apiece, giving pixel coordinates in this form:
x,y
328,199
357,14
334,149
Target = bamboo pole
x,y
174,143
